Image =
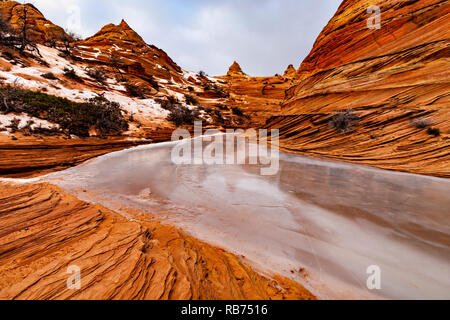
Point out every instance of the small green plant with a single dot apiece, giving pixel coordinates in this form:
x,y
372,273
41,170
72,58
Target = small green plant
x,y
202,74
169,103
27,130
237,112
71,74
344,121
14,125
135,91
97,74
181,115
73,117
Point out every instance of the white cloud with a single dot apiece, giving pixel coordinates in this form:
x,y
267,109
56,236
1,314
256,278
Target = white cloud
x,y
264,36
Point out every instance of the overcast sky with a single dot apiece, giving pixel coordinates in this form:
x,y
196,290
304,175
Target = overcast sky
x,y
264,36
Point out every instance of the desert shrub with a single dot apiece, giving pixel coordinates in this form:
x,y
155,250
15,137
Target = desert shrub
x,y
135,90
71,74
182,115
49,76
73,117
421,123
237,112
216,89
191,100
169,103
344,121
191,89
97,74
202,74
107,115
14,125
434,132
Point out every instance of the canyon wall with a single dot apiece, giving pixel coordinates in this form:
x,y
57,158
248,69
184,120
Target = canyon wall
x,y
395,79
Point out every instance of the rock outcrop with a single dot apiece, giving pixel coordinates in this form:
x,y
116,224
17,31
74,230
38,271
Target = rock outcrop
x,y
30,156
290,72
393,78
46,235
39,28
139,59
235,70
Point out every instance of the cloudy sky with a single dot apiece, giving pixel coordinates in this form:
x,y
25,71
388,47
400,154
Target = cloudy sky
x,y
264,36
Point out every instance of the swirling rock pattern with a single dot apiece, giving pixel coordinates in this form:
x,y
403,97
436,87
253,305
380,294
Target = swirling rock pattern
x,y
43,231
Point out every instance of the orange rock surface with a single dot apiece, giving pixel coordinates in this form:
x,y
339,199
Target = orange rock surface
x,y
39,28
44,231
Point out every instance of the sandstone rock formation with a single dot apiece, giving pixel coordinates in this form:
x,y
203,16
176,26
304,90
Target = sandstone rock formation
x,y
40,29
28,156
44,231
235,70
391,77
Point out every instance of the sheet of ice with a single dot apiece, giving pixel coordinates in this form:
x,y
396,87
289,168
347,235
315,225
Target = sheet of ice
x,y
333,219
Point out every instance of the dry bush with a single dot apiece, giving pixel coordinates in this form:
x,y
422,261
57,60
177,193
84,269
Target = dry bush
x,y
71,74
344,121
98,74
135,90
434,132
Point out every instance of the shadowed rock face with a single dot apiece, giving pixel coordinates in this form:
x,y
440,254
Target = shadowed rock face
x,y
43,231
390,77
39,29
290,71
140,59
